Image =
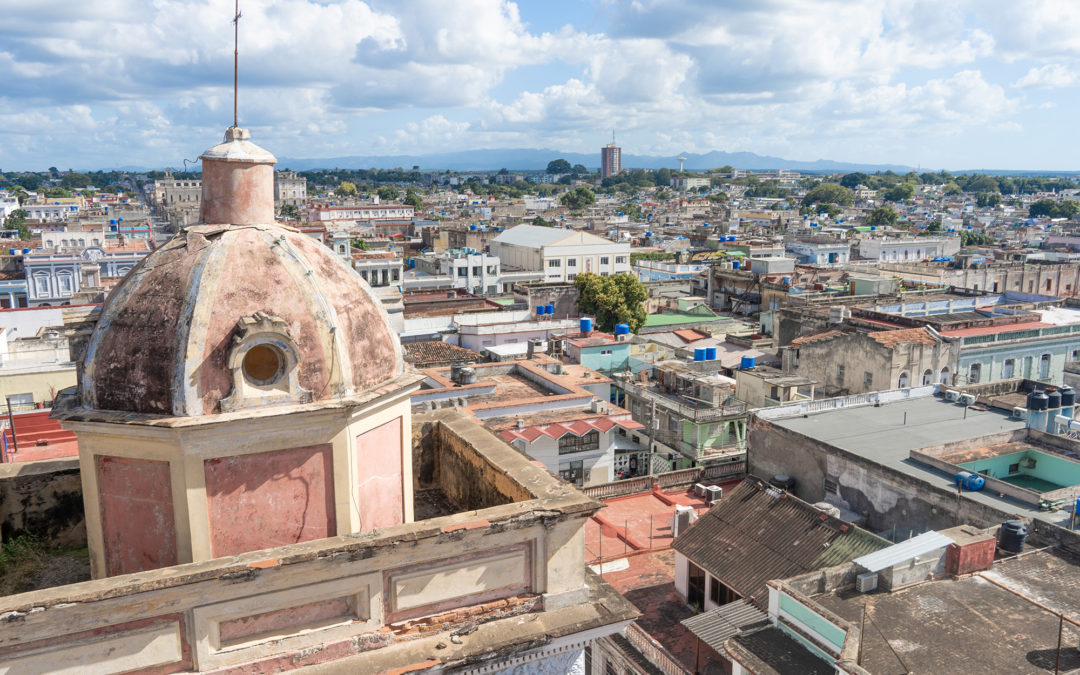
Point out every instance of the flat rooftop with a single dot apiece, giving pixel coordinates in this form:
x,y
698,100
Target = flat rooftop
x,y
887,434
1004,618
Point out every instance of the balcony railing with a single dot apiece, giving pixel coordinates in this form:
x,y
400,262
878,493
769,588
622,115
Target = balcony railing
x,y
698,413
674,440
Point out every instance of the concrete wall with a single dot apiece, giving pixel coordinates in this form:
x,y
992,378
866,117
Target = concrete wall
x,y
43,498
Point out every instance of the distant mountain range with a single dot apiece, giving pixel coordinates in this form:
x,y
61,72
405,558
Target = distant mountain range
x,y
536,160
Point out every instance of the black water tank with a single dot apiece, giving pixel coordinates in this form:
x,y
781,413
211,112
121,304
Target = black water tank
x,y
1068,396
1037,400
1012,536
783,482
1055,399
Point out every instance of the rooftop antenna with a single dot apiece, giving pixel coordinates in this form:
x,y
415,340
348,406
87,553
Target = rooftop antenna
x,y
236,62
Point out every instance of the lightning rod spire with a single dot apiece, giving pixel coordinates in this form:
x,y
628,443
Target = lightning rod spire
x,y
236,61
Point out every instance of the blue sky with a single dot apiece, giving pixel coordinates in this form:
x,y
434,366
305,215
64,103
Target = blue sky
x,y
931,83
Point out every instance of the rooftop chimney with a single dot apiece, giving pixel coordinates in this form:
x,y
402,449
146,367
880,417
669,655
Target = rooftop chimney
x,y
237,182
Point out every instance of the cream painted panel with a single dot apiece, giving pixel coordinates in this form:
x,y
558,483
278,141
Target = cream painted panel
x,y
427,587
143,648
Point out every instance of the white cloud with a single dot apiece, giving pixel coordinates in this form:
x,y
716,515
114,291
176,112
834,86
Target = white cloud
x,y
1050,76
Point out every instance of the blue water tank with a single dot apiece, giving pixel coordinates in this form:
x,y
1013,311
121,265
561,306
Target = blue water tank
x,y
549,309
735,265
472,227
26,250
1012,536
13,251
586,324
746,363
699,353
539,310
787,281
622,329
970,481
112,221
119,220
412,263
710,353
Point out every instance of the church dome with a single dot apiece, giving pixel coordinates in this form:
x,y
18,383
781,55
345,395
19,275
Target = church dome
x,y
237,315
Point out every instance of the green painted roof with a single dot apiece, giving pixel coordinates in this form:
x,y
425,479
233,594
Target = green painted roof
x,y
675,318
503,301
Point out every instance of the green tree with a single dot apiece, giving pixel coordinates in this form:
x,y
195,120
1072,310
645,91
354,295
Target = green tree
x,y
882,216
951,188
559,166
900,192
359,244
663,177
932,228
579,170
578,198
853,180
1049,208
984,199
290,211
413,200
388,193
347,188
829,193
619,298
975,239
16,220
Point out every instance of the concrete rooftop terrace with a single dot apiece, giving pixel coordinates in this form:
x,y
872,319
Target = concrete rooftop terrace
x,y
879,433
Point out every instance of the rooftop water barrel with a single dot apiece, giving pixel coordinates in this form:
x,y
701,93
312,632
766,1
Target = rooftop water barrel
x,y
539,310
622,329
13,251
26,250
1012,536
1068,396
970,481
472,227
746,363
586,324
710,353
699,353
735,264
549,309
1037,400
787,281
1054,399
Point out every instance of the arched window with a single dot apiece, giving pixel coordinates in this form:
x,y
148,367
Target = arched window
x,y
944,379
1044,366
904,380
928,377
1008,368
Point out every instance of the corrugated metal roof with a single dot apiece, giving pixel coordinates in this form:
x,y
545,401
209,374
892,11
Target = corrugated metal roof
x,y
717,625
752,536
906,550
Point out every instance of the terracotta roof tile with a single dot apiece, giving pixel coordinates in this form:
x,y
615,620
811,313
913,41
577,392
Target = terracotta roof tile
x,y
891,338
431,352
817,337
690,335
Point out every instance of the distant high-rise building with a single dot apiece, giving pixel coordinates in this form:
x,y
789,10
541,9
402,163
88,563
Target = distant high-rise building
x,y
610,160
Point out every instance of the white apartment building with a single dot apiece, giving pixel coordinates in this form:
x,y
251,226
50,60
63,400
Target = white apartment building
x,y
685,184
466,268
899,250
820,253
374,214
560,254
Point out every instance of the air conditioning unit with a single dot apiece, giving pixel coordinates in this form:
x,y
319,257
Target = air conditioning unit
x,y
715,493
968,399
952,395
864,583
1020,413
700,490
681,519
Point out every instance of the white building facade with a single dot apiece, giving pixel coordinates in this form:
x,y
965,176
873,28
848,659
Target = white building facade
x,y
560,254
899,250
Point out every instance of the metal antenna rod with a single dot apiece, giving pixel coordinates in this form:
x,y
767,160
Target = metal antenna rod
x,y
236,61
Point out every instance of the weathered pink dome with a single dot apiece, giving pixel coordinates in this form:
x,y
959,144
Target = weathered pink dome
x,y
165,334
240,315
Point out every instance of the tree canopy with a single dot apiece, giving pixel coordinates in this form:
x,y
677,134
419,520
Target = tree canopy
x,y
900,192
882,216
347,188
1049,208
559,166
829,193
578,198
619,298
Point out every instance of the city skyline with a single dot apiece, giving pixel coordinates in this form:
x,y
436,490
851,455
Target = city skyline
x,y
957,85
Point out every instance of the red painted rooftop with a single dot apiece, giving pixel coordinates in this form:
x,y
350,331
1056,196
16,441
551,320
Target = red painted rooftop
x,y
39,437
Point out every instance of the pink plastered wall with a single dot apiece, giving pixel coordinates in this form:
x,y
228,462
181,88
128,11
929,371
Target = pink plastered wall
x,y
237,193
269,499
137,521
379,476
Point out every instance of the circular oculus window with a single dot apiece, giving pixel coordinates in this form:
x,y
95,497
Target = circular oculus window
x,y
263,364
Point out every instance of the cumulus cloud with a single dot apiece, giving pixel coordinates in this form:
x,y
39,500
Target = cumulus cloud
x,y
149,82
1050,76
